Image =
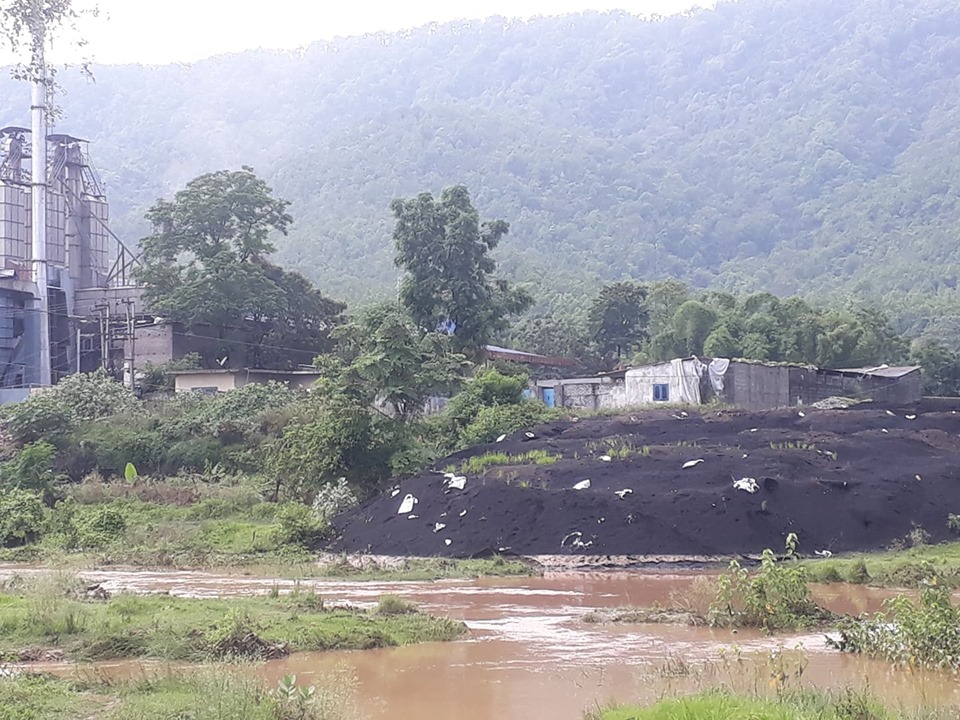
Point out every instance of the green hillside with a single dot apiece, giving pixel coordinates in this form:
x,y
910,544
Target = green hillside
x,y
799,146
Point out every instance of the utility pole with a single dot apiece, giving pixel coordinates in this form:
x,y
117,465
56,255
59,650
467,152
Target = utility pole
x,y
131,333
38,197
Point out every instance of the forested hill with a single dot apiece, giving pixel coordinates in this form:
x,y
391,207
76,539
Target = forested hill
x,y
799,146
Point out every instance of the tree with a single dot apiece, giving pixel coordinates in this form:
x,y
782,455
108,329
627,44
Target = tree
x,y
449,282
941,367
206,265
619,317
398,363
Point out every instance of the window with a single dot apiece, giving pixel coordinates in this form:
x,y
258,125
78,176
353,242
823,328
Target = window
x,y
661,393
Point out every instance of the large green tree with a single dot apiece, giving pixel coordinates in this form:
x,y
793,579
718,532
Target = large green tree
x,y
205,266
397,363
450,280
619,317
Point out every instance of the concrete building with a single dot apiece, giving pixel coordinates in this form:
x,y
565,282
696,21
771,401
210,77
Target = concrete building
x,y
217,381
747,384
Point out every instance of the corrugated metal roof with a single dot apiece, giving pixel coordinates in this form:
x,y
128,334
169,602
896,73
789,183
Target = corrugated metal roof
x,y
887,371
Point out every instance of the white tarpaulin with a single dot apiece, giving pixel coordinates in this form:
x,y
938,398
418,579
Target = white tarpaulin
x,y
717,369
687,374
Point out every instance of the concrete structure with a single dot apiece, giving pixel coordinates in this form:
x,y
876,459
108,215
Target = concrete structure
x,y
748,384
214,381
76,254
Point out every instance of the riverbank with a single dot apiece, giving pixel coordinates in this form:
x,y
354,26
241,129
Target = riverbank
x,y
53,618
210,693
808,704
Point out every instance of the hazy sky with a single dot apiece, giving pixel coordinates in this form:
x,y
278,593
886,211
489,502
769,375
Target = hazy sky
x,y
188,30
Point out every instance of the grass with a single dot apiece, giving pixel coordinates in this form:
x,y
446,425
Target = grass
x,y
209,693
478,464
39,698
906,567
801,705
51,613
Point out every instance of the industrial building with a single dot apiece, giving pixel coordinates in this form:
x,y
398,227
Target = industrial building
x,y
67,300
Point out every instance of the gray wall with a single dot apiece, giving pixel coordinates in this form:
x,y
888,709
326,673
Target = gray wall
x,y
757,387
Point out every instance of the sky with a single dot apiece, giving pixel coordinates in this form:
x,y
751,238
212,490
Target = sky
x,y
184,31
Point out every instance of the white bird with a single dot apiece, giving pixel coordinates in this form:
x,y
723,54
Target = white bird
x,y
582,485
530,435
501,438
802,413
891,413
920,479
910,417
448,542
462,513
623,493
606,458
395,492
823,553
884,430
691,463
745,456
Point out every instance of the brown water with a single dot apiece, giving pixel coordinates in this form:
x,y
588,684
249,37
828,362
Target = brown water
x,y
529,654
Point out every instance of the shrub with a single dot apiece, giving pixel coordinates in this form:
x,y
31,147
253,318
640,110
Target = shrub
x,y
394,605
776,597
858,573
39,417
298,525
492,422
332,499
487,389
916,634
953,523
98,526
31,468
108,445
21,517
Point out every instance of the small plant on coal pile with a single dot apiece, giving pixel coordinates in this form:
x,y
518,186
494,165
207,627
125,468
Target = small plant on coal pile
x,y
953,523
480,463
775,597
923,633
918,537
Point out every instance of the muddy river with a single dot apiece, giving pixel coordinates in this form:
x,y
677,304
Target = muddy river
x,y
529,654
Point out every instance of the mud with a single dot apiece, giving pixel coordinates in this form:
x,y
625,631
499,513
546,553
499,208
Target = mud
x,y
842,480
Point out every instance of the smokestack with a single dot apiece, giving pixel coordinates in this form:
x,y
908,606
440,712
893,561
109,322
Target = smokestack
x,y
38,196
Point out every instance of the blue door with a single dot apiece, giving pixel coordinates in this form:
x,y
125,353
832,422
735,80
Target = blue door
x,y
549,398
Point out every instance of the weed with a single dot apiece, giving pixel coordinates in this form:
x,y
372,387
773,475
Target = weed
x,y
478,464
394,605
953,523
925,633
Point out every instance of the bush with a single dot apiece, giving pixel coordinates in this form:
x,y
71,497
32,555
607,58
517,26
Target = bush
x,y
914,634
492,422
98,526
332,499
21,517
108,445
487,389
394,605
39,417
298,526
776,597
32,468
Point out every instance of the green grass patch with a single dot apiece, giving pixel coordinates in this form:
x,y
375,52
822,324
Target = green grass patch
x,y
804,705
51,612
212,692
41,698
907,567
478,464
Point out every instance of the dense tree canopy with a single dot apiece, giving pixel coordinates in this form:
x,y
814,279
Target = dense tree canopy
x,y
205,266
449,280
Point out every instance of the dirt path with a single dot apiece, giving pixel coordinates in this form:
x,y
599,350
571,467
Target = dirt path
x,y
843,480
